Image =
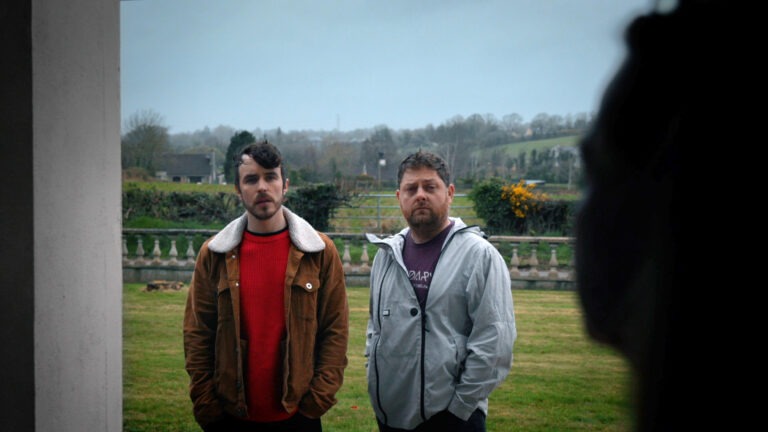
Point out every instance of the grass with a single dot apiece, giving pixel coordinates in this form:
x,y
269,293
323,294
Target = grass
x,y
168,186
560,380
515,148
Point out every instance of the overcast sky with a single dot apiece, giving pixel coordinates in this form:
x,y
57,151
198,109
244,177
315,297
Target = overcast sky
x,y
349,64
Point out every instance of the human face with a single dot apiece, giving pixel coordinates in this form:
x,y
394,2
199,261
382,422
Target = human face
x,y
424,200
262,192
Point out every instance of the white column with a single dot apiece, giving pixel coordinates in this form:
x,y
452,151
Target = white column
x,y
76,181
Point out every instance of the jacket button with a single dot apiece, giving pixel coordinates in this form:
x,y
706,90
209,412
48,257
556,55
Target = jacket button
x,y
414,312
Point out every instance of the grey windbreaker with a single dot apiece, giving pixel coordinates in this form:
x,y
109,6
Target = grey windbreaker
x,y
458,349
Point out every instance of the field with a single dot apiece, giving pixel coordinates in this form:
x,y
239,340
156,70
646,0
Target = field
x,y
560,379
514,149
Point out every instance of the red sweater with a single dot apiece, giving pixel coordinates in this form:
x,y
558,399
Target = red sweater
x,y
263,259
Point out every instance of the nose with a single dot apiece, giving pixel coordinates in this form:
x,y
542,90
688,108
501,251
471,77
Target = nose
x,y
261,185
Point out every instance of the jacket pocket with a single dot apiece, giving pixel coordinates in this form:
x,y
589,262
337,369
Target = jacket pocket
x,y
304,296
227,347
461,354
224,302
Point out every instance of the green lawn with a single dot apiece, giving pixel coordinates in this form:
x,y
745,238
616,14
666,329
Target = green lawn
x,y
560,380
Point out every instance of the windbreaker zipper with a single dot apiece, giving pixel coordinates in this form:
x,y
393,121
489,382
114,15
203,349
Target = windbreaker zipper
x,y
424,331
423,347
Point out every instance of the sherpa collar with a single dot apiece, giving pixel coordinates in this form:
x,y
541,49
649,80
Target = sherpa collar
x,y
303,235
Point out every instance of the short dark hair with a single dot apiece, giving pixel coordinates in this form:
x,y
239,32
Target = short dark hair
x,y
264,154
423,159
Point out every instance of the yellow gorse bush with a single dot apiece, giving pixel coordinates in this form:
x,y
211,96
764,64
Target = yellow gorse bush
x,y
521,197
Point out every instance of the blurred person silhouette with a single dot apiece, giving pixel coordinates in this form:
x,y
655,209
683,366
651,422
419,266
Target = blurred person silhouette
x,y
639,267
442,325
266,319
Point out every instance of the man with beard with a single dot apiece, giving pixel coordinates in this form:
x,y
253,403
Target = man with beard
x,y
266,320
441,321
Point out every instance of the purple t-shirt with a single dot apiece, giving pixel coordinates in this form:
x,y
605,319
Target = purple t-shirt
x,y
421,260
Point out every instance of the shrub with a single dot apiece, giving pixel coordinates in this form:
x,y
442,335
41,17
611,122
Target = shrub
x,y
498,215
522,199
317,203
200,207
517,209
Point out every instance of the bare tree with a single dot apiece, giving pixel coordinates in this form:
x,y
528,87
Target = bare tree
x,y
145,141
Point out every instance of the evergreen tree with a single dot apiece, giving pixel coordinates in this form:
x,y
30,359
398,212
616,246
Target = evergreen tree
x,y
238,141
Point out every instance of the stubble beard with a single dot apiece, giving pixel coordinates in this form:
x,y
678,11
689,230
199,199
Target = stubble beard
x,y
423,222
264,213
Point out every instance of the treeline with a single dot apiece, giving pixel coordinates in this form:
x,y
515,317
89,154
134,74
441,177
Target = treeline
x,y
474,146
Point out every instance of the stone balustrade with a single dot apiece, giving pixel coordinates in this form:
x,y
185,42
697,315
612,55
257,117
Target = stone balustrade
x,y
169,254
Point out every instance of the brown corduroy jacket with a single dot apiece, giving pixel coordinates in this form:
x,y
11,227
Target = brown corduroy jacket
x,y
316,316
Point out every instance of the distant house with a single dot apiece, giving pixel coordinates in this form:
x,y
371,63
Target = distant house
x,y
188,168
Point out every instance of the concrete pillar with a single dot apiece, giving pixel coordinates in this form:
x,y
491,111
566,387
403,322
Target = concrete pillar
x,y
60,271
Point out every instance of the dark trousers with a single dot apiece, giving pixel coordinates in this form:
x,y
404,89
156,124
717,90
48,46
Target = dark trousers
x,y
297,423
444,421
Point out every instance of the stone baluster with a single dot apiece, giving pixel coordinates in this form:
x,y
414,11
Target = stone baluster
x,y
534,261
514,262
140,251
346,258
553,261
190,251
173,254
156,252
364,267
126,261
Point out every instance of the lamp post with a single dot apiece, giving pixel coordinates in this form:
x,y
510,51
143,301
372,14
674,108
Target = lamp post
x,y
382,162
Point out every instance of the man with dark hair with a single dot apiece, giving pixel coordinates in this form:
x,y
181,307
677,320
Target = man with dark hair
x,y
266,320
442,324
